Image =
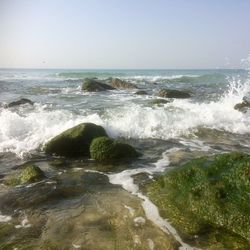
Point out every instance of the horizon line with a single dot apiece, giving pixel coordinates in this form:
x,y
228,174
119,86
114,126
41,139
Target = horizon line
x,y
92,69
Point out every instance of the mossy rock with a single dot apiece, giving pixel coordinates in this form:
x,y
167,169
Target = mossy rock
x,y
208,197
120,84
93,85
28,174
106,150
173,93
75,142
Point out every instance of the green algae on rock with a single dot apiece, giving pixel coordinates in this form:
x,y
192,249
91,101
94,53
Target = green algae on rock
x,y
208,200
75,142
29,174
106,150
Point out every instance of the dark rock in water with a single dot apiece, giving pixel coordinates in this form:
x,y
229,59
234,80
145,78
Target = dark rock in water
x,y
120,84
29,174
206,197
173,93
93,85
75,142
243,106
19,102
106,150
159,101
141,92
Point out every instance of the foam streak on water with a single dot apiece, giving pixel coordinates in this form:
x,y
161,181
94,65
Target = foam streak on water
x,y
125,179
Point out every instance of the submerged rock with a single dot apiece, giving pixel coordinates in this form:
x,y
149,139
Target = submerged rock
x,y
93,85
173,93
208,201
243,106
19,102
159,101
120,84
141,92
29,174
106,150
75,142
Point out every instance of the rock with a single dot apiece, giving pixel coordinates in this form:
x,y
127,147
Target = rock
x,y
29,174
19,102
75,142
173,93
119,84
93,85
206,197
141,92
243,106
106,150
159,101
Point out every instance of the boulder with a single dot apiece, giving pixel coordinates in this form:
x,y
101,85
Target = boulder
x,y
206,197
93,85
173,93
75,142
106,150
120,84
22,101
141,92
243,106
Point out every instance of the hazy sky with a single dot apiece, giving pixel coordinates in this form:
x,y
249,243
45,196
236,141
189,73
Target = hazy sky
x,y
124,33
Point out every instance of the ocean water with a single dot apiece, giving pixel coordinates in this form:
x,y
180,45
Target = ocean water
x,y
182,129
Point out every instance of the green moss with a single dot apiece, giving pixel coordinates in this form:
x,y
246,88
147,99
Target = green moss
x,y
31,173
106,150
28,174
75,141
208,195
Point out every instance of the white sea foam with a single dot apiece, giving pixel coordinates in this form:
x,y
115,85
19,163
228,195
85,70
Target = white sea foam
x,y
23,133
5,218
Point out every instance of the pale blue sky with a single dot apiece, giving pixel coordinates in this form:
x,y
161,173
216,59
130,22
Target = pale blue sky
x,y
124,33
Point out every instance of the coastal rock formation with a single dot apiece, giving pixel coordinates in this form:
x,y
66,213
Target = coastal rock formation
x,y
93,85
243,106
106,150
120,84
75,142
29,174
173,93
206,197
141,92
19,102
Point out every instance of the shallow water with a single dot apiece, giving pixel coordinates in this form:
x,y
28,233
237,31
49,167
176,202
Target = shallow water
x,y
75,200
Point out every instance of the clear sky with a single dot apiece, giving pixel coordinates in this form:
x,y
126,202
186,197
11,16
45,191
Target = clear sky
x,y
124,33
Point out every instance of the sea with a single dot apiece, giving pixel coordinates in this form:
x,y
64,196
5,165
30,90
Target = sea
x,y
166,134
